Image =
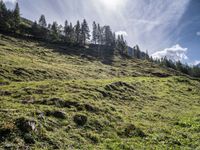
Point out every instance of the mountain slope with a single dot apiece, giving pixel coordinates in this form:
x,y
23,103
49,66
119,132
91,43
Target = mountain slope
x,y
58,97
29,60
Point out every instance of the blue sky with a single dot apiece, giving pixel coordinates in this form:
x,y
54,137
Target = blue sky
x,y
163,27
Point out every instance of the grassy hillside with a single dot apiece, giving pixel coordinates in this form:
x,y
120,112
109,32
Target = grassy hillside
x,y
58,97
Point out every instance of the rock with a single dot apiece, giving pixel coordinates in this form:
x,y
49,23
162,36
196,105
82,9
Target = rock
x,y
56,114
80,120
25,125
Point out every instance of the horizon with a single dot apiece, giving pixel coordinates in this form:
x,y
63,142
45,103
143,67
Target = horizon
x,y
174,26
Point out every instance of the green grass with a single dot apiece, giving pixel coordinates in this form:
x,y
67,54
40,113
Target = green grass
x,y
127,106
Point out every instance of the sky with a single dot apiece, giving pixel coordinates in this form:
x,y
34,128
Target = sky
x,y
168,28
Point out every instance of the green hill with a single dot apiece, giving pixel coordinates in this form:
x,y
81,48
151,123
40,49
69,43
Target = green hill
x,y
58,97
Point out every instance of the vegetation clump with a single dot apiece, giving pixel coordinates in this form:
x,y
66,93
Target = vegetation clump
x,y
26,125
131,131
56,114
80,119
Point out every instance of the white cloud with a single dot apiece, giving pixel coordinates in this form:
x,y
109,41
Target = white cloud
x,y
124,33
174,53
198,33
197,62
11,1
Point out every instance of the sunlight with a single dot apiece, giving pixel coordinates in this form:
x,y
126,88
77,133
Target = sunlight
x,y
112,4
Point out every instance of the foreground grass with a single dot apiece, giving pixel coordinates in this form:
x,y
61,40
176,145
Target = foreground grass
x,y
144,112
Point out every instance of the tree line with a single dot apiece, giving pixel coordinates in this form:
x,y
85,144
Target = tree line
x,y
193,71
79,34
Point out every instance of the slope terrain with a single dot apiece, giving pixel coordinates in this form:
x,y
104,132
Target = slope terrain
x,y
63,97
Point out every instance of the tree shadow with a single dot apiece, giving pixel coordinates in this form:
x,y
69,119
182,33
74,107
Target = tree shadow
x,y
91,52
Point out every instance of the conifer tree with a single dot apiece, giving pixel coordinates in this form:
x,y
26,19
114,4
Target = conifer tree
x,y
78,32
67,31
35,29
113,39
99,34
94,33
55,31
42,21
71,33
16,17
3,13
85,32
108,37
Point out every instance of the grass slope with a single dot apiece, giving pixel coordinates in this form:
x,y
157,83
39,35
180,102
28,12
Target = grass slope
x,y
77,101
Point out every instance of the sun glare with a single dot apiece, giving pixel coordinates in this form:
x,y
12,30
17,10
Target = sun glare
x,y
112,4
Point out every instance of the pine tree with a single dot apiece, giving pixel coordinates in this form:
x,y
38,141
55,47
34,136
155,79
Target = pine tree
x,y
121,45
71,33
113,39
94,33
16,17
55,31
85,32
42,21
67,31
3,14
3,9
78,32
35,29
138,52
108,37
99,34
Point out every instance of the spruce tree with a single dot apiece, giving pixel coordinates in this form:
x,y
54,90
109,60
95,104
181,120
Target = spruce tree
x,y
35,29
3,9
85,32
108,36
42,21
78,32
67,31
71,33
55,31
94,33
113,39
99,34
3,14
16,17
